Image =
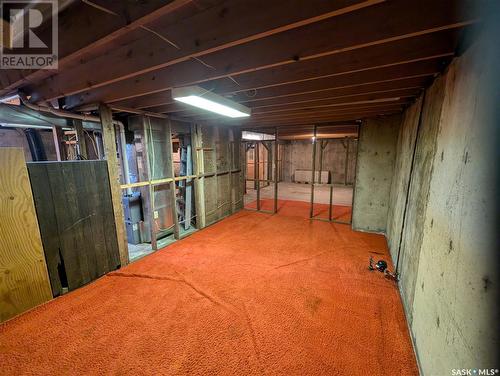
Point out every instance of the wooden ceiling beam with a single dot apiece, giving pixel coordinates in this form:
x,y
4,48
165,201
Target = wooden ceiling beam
x,y
301,112
328,126
348,32
317,120
327,100
343,92
331,104
73,43
322,73
326,97
223,26
324,113
426,69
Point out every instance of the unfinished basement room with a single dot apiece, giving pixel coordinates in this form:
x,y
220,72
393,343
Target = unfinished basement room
x,y
249,187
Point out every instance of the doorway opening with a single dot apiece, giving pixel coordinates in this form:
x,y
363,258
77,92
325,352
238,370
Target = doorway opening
x,y
310,174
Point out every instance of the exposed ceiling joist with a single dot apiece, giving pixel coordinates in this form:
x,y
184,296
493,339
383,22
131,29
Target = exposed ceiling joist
x,y
322,73
73,43
313,120
315,41
302,112
224,26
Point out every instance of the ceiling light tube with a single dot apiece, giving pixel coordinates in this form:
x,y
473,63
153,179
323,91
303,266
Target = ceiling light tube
x,y
206,100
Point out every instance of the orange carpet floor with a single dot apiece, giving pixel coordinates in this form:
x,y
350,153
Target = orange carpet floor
x,y
255,294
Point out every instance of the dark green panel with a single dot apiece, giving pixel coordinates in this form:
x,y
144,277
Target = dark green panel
x,y
75,214
47,222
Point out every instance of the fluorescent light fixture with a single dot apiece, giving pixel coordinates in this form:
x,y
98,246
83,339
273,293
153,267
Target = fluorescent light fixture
x,y
206,100
256,136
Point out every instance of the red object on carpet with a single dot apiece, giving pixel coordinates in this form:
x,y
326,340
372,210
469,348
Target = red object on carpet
x,y
253,294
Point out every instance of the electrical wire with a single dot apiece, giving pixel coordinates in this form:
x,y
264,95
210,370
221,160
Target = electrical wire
x,y
109,11
93,142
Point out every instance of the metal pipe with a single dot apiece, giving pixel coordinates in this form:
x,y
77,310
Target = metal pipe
x,y
61,113
90,118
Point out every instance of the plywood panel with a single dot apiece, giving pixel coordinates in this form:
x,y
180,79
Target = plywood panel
x,y
24,281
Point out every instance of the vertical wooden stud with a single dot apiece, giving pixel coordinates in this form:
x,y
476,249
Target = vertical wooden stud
x,y
170,162
148,144
199,170
57,137
313,173
80,138
109,140
256,160
275,208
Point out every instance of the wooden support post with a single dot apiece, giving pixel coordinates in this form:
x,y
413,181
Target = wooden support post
x,y
269,157
346,160
218,205
80,138
331,201
313,173
148,143
189,188
257,177
322,145
199,184
170,161
108,135
244,166
232,192
57,136
255,166
275,209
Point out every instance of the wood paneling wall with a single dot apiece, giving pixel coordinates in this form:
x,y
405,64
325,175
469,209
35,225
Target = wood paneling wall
x,y
24,282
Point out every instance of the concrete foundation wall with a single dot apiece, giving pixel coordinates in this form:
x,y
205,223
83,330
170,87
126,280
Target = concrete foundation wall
x,y
374,171
298,156
418,193
402,168
448,263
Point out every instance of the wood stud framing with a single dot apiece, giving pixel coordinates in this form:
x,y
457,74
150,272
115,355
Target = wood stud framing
x,y
109,139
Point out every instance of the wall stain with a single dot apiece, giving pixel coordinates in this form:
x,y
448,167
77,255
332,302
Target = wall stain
x,y
486,283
